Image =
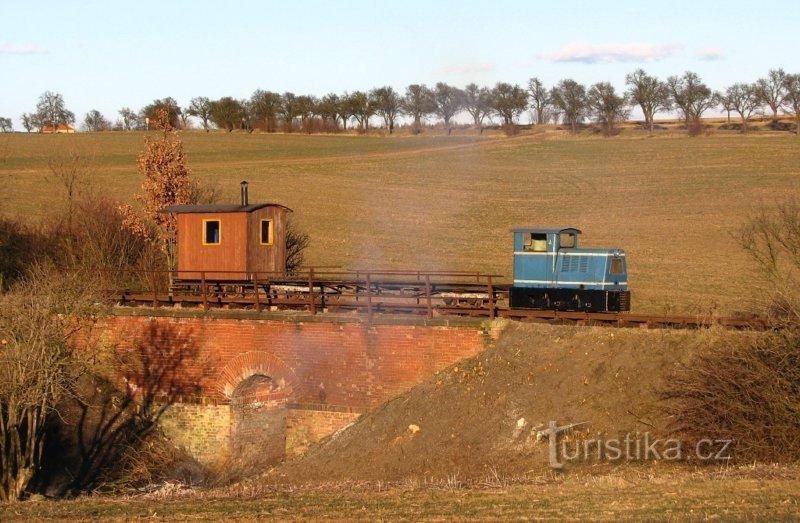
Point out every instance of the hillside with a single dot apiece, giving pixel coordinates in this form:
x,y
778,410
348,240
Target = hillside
x,y
480,416
447,203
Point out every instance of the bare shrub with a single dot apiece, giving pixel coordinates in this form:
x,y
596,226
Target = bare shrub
x,y
297,242
748,392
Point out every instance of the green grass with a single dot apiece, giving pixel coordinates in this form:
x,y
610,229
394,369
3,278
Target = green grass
x,y
441,202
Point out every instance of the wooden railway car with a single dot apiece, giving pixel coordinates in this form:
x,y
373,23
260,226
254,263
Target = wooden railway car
x,y
230,242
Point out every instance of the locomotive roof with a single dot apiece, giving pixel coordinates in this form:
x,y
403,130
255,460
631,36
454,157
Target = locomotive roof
x,y
545,230
186,209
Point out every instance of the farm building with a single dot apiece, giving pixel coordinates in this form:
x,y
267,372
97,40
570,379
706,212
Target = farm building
x,y
60,128
231,242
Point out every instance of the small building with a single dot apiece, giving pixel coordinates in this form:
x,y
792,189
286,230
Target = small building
x,y
231,242
59,129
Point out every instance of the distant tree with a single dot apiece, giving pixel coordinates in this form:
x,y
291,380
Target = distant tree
x,y
168,104
266,106
570,97
306,107
449,101
791,98
771,90
649,93
28,121
130,120
418,103
226,113
95,121
184,115
608,107
5,125
361,107
329,109
52,111
387,104
477,102
289,110
200,108
508,101
540,100
741,98
692,97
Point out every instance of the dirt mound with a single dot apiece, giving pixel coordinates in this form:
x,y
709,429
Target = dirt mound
x,y
482,414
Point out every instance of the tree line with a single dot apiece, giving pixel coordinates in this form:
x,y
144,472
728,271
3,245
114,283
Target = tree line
x,y
568,102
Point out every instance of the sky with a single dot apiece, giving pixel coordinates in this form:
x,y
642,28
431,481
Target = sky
x,y
107,55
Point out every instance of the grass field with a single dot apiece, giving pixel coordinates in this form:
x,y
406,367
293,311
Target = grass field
x,y
440,202
605,498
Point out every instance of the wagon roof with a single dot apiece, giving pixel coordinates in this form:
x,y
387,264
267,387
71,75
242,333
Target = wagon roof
x,y
186,209
545,230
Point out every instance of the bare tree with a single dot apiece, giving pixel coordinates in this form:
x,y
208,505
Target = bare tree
x,y
650,94
288,110
477,102
570,98
266,106
329,109
387,104
741,98
418,103
28,121
51,111
95,121
130,120
540,100
360,107
5,125
151,111
39,319
306,107
200,108
448,100
771,90
791,99
692,97
508,101
607,105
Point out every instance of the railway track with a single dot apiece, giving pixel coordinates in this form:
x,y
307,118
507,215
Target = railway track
x,y
425,293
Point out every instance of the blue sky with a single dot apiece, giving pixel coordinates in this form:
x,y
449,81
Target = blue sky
x,y
107,55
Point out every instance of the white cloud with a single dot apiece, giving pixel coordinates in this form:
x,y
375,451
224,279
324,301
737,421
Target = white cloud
x,y
709,53
9,48
469,68
607,53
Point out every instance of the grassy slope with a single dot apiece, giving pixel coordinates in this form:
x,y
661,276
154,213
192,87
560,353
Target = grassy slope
x,y
448,202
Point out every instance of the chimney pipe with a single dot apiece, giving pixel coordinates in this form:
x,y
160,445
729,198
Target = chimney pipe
x,y
244,193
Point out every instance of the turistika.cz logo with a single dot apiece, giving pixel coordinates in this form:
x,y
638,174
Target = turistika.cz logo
x,y
630,447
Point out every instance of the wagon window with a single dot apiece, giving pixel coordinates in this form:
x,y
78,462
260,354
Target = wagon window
x,y
211,232
616,266
567,240
535,242
266,232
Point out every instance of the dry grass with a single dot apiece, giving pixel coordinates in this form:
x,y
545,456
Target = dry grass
x,y
638,495
434,201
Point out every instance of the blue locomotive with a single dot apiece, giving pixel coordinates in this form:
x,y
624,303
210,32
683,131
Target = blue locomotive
x,y
552,272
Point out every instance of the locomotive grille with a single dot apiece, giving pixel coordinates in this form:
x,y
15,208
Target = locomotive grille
x,y
570,263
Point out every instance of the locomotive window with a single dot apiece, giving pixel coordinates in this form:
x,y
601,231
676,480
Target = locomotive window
x,y
211,232
567,240
616,266
536,242
266,232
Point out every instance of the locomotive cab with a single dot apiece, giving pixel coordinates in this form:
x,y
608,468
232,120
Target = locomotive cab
x,y
551,271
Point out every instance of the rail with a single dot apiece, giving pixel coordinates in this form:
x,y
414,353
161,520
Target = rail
x,y
368,292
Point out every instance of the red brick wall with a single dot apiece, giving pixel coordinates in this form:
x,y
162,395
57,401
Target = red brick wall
x,y
322,362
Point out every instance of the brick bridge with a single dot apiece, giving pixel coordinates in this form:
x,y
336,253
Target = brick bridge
x,y
254,387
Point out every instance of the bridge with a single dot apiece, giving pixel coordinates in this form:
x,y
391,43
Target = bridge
x,y
253,386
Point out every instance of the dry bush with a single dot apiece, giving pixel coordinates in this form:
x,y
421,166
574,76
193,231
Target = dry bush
x,y
746,391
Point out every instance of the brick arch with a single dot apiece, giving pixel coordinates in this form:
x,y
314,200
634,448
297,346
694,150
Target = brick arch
x,y
252,363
